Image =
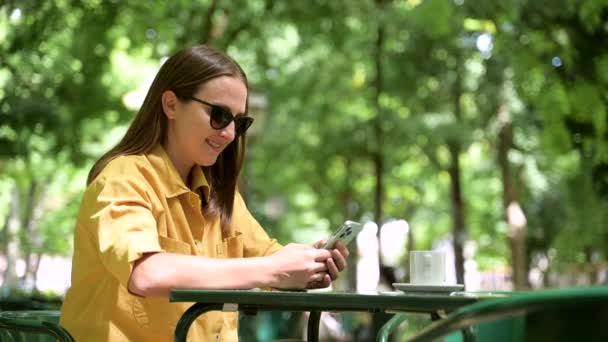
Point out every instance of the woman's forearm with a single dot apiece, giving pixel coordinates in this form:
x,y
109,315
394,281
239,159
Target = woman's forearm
x,y
156,274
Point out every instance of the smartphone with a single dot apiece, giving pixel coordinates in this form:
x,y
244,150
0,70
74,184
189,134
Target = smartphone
x,y
346,233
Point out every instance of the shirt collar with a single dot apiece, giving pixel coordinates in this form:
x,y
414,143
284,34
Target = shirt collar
x,y
199,181
171,182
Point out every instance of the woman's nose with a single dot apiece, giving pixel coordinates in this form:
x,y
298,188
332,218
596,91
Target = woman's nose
x,y
228,132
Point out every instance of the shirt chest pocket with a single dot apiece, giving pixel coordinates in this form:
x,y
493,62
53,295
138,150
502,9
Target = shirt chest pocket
x,y
174,246
231,247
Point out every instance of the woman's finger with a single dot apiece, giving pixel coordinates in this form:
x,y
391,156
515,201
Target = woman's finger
x,y
319,243
320,254
332,269
319,267
339,260
341,247
325,281
322,280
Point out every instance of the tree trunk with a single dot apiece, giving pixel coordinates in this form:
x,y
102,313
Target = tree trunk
x,y
4,236
458,220
411,245
28,226
379,319
514,215
13,245
34,270
456,197
377,154
349,214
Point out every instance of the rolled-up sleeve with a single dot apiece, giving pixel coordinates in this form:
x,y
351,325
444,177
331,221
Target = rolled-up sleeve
x,y
122,224
256,241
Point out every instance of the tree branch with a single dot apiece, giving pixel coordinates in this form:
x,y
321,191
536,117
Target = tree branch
x,y
208,23
233,35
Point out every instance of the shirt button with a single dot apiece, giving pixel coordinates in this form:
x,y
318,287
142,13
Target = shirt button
x,y
199,247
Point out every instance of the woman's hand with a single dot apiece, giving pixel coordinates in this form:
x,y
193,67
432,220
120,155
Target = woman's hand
x,y
335,264
298,266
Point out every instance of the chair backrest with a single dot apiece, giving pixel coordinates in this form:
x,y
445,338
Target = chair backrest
x,y
546,315
32,326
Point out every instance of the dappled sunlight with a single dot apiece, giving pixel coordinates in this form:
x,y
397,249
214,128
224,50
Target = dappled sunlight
x,y
393,235
368,264
479,129
52,277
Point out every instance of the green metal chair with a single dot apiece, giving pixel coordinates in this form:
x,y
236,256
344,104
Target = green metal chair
x,y
546,315
32,326
390,326
507,328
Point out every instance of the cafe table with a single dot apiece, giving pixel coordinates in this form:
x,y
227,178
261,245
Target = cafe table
x,y
250,301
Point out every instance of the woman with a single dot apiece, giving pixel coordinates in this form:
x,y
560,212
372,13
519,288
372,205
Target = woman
x,y
162,211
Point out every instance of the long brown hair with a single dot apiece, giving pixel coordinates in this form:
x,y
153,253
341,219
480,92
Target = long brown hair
x,y
184,73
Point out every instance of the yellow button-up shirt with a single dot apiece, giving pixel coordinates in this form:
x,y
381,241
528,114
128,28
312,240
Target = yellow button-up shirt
x,y
139,204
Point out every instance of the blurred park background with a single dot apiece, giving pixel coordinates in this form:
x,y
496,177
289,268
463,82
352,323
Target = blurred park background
x,y
475,127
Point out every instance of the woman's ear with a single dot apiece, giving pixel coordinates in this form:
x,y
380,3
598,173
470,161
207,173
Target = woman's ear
x,y
169,102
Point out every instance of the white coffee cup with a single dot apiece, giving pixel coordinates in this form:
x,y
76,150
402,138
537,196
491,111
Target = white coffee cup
x,y
427,267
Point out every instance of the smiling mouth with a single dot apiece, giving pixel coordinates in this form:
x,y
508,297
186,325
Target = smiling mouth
x,y
214,144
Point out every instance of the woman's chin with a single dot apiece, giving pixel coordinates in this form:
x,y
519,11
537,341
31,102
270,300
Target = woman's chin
x,y
207,161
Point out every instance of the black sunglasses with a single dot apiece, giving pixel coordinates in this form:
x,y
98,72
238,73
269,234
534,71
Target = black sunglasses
x,y
221,117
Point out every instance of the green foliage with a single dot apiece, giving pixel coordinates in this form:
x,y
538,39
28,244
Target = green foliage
x,y
71,71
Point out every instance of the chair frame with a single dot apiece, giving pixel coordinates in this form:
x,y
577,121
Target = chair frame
x,y
519,303
35,326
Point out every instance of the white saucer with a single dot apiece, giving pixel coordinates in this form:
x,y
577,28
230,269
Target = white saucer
x,y
406,287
